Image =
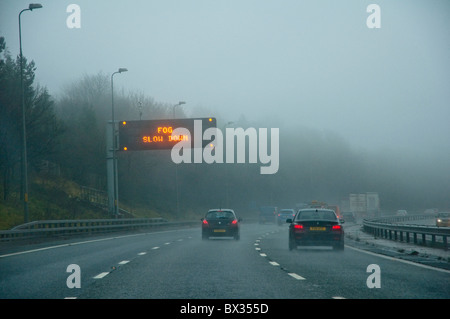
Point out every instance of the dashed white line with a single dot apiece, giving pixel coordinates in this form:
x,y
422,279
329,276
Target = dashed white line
x,y
123,262
155,248
263,255
273,263
294,275
101,275
142,253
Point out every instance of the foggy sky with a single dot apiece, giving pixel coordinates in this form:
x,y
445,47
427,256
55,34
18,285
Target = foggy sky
x,y
287,63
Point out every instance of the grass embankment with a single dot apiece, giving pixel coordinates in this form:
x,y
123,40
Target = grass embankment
x,y
55,199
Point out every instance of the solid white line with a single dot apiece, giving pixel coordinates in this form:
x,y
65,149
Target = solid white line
x,y
33,250
84,242
399,260
101,275
294,275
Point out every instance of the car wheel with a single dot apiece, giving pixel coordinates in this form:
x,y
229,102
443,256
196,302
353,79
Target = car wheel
x,y
292,245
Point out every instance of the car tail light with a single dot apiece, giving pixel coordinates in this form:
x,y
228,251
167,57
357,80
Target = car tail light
x,y
234,222
336,227
298,227
205,222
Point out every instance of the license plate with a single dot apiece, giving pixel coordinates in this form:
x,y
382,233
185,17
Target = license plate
x,y
317,228
219,230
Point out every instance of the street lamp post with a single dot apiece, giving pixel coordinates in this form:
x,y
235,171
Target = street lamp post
x,y
226,166
179,103
113,125
176,167
24,133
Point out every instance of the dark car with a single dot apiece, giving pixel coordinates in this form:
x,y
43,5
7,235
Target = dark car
x,y
285,214
267,214
220,223
316,227
443,219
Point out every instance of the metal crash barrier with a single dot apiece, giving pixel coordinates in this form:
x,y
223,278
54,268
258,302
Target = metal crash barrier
x,y
387,228
52,228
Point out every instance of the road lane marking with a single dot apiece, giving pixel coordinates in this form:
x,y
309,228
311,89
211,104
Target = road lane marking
x,y
101,275
399,260
294,275
156,247
263,255
142,253
86,242
338,297
273,263
123,262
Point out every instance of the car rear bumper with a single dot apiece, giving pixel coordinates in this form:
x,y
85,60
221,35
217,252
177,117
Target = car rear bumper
x,y
318,240
220,232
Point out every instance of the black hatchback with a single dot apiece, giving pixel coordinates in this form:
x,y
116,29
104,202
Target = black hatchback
x,y
220,223
316,227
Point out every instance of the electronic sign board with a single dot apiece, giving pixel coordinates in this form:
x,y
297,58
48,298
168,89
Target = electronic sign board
x,y
157,134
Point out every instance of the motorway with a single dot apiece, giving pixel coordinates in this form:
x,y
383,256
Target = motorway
x,y
178,264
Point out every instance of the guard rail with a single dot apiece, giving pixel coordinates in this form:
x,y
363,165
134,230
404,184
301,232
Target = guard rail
x,y
386,228
49,228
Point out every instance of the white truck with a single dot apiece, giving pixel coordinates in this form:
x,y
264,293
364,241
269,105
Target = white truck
x,y
365,204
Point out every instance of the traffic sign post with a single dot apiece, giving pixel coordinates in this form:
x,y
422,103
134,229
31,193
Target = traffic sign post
x,y
148,135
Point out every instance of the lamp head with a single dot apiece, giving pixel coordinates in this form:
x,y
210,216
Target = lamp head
x,y
34,6
122,70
